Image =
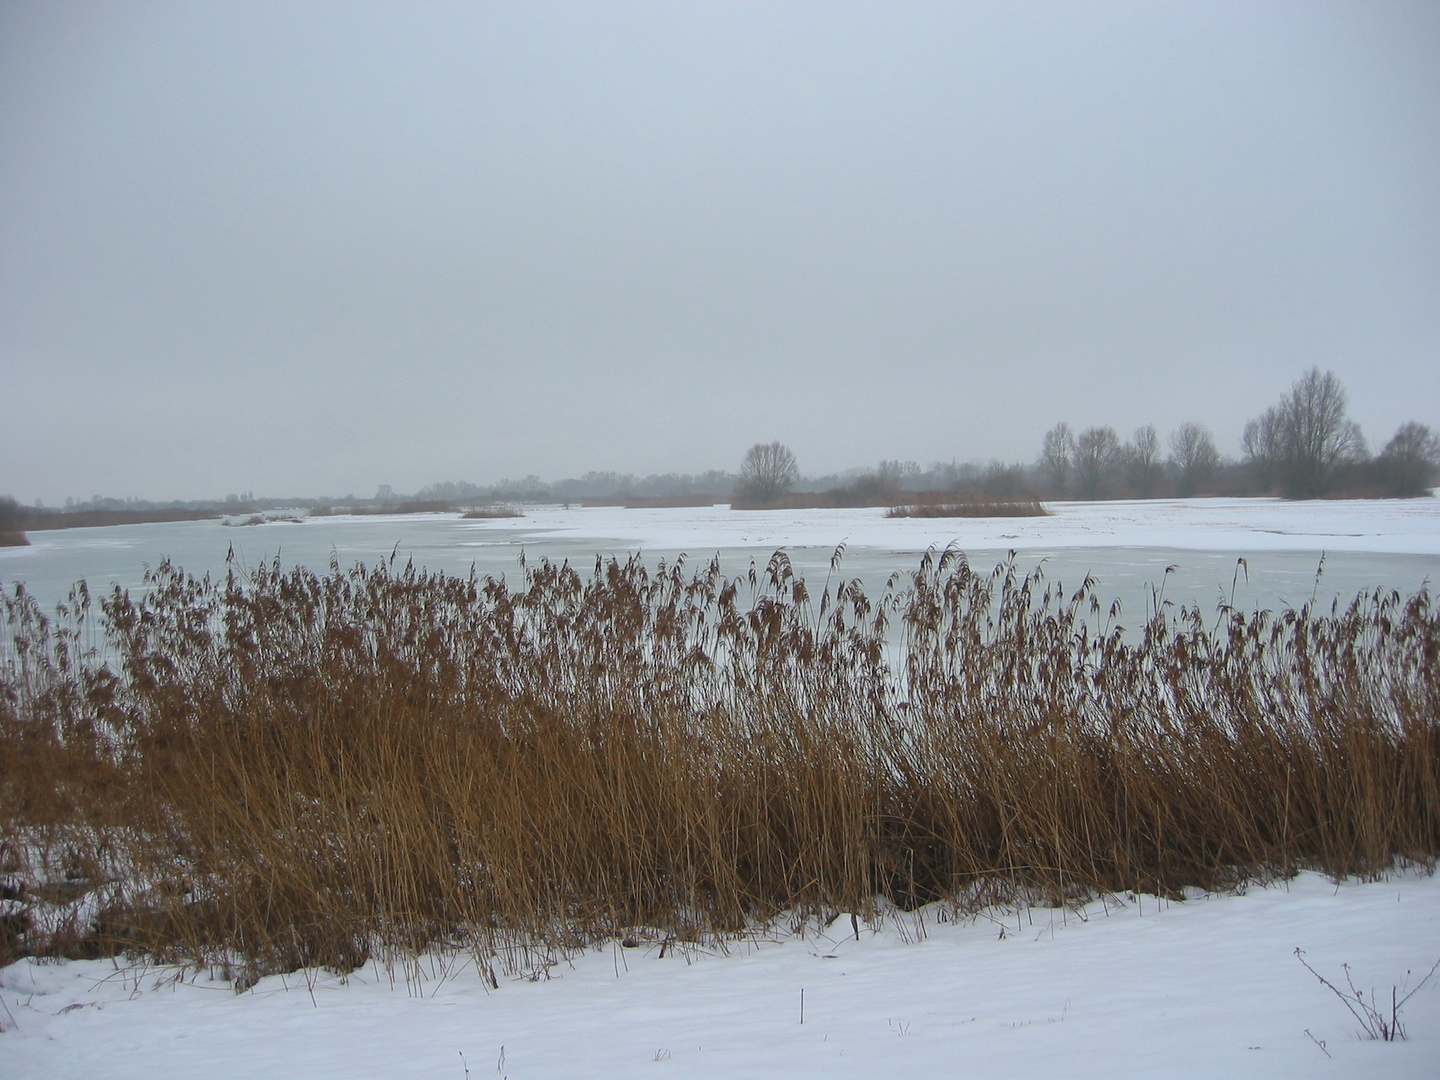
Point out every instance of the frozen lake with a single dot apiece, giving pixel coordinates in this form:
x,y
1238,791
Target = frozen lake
x,y
1126,545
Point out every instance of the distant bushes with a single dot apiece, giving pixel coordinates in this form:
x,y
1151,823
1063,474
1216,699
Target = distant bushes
x,y
12,523
286,768
963,505
1409,464
407,506
997,490
655,502
37,520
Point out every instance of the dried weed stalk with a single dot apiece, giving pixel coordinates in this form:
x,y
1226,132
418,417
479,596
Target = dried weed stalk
x,y
286,768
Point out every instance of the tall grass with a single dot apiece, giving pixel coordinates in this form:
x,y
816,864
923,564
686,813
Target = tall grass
x,y
285,768
968,505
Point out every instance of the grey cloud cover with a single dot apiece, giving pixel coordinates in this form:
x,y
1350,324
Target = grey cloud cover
x,y
314,248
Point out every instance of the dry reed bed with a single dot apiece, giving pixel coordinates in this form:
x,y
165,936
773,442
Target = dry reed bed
x,y
287,768
975,507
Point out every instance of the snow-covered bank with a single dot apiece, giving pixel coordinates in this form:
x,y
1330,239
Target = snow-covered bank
x,y
1206,988
1408,526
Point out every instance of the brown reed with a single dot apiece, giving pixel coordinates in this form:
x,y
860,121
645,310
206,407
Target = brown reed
x,y
285,768
969,506
479,513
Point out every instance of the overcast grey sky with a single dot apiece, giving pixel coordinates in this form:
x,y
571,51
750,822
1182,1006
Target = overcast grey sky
x,y
311,249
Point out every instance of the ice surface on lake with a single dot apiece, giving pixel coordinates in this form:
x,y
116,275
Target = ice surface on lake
x,y
1126,545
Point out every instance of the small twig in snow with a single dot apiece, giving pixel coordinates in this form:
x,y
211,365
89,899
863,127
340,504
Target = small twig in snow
x,y
1376,1024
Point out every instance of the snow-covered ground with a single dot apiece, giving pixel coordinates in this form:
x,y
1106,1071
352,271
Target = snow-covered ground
x,y
1410,526
1206,988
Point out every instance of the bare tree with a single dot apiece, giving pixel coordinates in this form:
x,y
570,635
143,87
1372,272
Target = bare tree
x,y
1307,436
1097,452
1318,435
1262,447
1142,459
1057,454
1411,459
767,472
896,472
1193,457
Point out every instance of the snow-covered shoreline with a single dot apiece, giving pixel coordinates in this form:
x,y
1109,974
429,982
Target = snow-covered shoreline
x,y
1400,526
1204,988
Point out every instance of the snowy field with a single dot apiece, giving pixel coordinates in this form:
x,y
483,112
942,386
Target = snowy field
x,y
1206,988
1410,526
1138,987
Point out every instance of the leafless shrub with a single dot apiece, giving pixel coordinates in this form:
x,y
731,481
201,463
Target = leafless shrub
x,y
1376,1020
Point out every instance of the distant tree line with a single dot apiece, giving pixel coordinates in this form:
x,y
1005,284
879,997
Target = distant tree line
x,y
1095,464
1304,446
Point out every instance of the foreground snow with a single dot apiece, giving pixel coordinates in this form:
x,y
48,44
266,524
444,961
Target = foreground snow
x,y
1205,988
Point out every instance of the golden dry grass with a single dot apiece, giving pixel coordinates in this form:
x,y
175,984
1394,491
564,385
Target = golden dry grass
x,y
482,513
964,505
287,768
